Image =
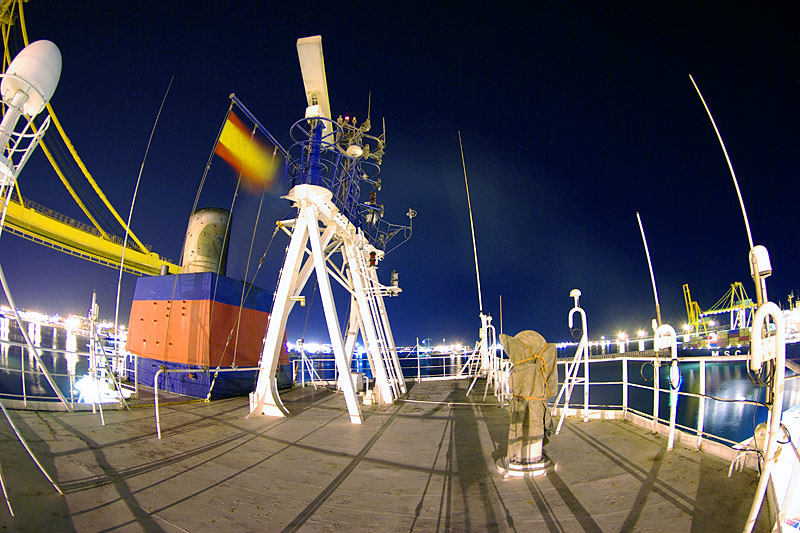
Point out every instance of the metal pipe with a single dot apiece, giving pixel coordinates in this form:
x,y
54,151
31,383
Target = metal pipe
x,y
624,388
5,493
155,394
793,478
165,370
22,371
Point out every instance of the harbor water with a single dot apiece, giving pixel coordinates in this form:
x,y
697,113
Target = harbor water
x,y
726,384
65,353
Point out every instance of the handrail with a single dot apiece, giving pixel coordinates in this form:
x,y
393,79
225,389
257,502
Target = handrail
x,y
77,224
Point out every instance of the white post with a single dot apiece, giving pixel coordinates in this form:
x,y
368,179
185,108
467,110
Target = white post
x,y
701,410
418,369
155,398
656,364
624,388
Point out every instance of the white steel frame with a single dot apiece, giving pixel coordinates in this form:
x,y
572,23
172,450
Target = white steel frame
x,y
320,225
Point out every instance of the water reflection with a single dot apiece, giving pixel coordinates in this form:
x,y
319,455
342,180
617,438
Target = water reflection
x,y
20,376
727,381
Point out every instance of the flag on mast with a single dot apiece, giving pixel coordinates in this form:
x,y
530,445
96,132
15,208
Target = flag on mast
x,y
253,158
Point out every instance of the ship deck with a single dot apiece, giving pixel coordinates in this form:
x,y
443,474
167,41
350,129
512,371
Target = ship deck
x,y
421,465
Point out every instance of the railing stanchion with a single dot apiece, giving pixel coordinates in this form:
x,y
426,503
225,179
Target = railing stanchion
x,y
701,410
624,388
418,368
656,364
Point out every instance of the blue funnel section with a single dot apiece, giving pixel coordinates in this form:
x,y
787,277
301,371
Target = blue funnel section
x,y
342,161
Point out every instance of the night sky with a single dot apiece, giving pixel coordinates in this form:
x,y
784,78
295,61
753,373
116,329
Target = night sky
x,y
573,119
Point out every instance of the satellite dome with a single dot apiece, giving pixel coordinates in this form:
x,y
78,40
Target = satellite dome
x,y
37,67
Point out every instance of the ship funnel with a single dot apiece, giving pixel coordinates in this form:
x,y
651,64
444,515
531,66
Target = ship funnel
x,y
206,245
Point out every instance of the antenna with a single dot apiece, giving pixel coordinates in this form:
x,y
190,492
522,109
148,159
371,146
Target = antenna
x,y
471,225
728,159
650,265
312,66
760,267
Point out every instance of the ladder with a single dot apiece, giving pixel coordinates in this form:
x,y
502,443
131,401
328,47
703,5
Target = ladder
x,y
374,324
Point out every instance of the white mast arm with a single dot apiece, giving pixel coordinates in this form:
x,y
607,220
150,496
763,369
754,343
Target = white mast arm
x,y
312,66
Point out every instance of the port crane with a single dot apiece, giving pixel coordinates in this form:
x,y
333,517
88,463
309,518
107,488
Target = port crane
x,y
735,302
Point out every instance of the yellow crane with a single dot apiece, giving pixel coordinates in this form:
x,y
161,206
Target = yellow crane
x,y
693,312
59,232
735,301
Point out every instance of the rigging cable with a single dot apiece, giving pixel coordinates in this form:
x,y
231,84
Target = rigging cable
x,y
244,297
128,225
194,207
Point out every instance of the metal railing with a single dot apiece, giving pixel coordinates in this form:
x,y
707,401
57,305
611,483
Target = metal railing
x,y
784,480
30,373
626,385
82,226
422,367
